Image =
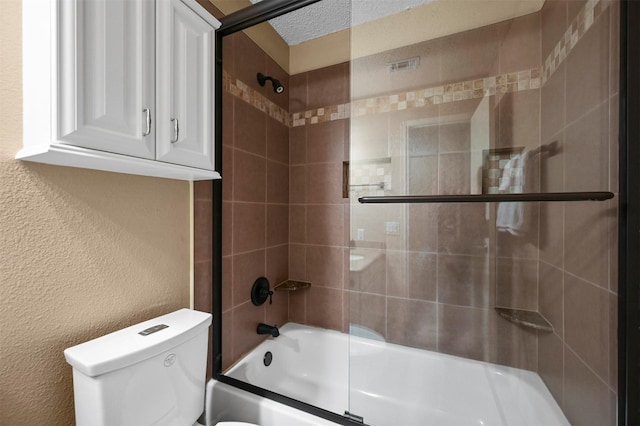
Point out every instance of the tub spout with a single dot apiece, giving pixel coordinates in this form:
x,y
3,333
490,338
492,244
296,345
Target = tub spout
x,y
268,329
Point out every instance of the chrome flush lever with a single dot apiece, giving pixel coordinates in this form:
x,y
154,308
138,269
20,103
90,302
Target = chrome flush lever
x,y
147,112
176,130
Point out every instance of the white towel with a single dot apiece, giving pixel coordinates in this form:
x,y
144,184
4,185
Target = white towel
x,y
510,218
517,217
508,173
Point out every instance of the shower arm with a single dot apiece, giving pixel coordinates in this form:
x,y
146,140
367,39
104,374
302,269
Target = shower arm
x,y
488,198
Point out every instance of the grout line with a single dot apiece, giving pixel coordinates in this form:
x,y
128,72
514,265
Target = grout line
x,y
593,284
586,364
594,108
263,157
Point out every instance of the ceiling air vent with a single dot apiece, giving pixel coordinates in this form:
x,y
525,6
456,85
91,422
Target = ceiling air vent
x,y
404,65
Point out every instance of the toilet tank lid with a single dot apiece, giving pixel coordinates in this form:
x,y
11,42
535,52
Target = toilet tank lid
x,y
127,346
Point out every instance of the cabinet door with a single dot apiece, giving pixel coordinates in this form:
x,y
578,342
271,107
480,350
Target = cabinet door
x,y
106,85
185,84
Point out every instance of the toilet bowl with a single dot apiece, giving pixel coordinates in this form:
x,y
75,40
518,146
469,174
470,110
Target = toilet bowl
x,y
152,373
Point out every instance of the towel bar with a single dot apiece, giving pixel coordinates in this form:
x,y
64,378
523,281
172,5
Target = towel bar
x,y
488,198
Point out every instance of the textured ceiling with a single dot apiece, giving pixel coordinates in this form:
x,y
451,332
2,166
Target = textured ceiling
x,y
330,16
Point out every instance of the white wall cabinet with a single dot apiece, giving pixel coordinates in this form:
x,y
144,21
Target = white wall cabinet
x,y
186,42
120,85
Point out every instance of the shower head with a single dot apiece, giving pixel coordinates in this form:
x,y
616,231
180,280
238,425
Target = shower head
x,y
277,86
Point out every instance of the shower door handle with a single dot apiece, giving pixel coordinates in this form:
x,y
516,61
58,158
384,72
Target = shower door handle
x,y
176,130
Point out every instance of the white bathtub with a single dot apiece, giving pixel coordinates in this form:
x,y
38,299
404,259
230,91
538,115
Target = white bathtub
x,y
386,384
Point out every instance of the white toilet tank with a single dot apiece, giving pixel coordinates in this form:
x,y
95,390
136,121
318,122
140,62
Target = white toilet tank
x,y
152,373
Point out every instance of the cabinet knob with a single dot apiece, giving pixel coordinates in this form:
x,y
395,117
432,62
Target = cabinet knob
x,y
176,130
147,112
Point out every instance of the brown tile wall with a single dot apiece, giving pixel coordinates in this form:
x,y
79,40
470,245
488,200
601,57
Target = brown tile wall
x,y
318,227
578,289
255,200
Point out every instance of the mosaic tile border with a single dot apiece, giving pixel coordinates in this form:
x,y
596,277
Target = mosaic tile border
x,y
579,26
320,115
518,81
472,89
242,91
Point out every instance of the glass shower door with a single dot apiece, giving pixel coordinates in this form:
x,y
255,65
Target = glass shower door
x,y
470,312
420,286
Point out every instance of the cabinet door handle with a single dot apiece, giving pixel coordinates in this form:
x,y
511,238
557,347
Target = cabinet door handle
x,y
176,130
147,112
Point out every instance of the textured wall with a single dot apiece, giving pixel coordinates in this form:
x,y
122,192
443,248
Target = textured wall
x,y
82,253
